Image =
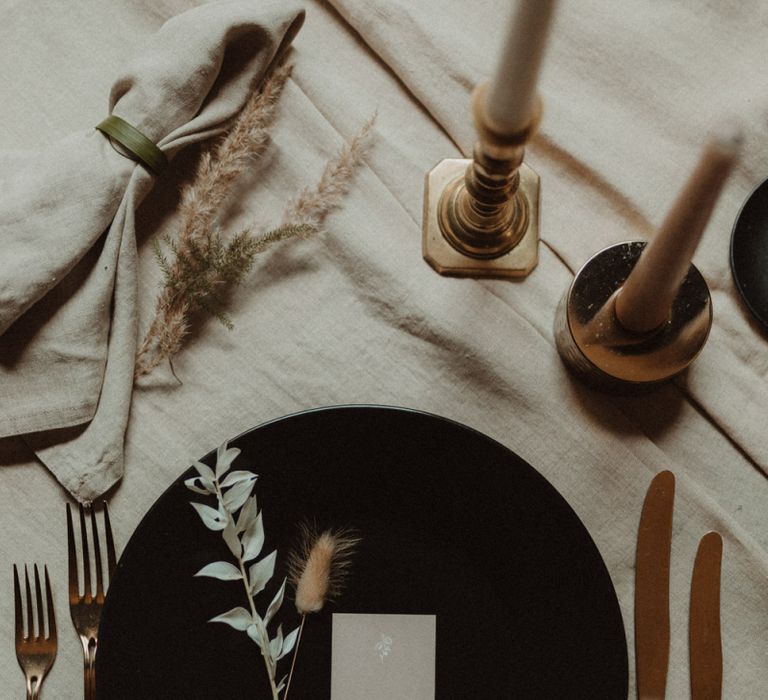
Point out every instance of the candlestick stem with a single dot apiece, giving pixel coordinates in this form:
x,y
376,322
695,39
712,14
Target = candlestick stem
x,y
484,209
485,214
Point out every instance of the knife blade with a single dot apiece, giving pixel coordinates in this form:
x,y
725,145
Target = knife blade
x,y
705,649
654,544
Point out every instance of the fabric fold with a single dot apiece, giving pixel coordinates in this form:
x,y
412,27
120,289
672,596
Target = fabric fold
x,y
68,273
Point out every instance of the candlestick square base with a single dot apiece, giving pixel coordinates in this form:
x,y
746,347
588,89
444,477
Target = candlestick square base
x,y
441,254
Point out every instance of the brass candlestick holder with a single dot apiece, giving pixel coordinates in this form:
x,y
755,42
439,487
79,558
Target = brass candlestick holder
x,y
638,314
481,216
598,348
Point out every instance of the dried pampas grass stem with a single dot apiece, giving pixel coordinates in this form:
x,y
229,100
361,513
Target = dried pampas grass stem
x,y
220,167
204,262
315,203
317,570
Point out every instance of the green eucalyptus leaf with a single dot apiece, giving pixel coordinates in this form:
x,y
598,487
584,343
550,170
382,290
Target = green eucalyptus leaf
x,y
274,606
276,644
261,572
253,539
211,517
199,484
248,514
236,477
224,458
204,470
222,570
237,495
255,635
288,643
233,541
239,618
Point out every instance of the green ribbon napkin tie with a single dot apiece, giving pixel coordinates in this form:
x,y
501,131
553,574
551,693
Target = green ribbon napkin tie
x,y
138,145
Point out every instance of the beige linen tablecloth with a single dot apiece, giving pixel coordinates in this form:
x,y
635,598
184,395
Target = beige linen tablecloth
x,y
631,89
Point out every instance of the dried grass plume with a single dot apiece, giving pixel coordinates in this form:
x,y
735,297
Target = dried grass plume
x,y
314,203
320,566
204,262
317,569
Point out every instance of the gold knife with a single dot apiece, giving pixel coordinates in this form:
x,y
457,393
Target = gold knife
x,y
706,655
654,544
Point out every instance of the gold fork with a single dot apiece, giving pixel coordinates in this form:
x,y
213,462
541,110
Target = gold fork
x,y
86,609
36,653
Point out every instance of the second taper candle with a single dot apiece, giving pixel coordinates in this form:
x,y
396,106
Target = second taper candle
x,y
511,100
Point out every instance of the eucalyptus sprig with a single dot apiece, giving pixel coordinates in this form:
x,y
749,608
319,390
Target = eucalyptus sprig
x,y
243,534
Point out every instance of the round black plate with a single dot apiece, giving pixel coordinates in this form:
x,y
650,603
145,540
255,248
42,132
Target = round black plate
x,y
453,524
749,253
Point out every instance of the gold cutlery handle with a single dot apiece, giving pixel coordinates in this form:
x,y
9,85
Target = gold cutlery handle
x,y
89,669
652,628
705,646
33,688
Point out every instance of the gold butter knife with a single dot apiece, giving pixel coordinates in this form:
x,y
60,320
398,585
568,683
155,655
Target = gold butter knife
x,y
654,543
706,655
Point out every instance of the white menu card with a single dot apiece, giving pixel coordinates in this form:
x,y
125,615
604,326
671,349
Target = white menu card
x,y
383,657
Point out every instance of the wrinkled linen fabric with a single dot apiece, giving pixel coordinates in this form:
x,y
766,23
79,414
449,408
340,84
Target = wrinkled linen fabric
x,y
68,293
356,316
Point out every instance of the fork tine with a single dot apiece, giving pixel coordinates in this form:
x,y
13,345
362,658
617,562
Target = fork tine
x,y
17,607
39,596
49,602
74,584
97,555
111,558
86,558
30,616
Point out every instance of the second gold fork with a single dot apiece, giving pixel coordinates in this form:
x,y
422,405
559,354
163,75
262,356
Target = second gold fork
x,y
85,609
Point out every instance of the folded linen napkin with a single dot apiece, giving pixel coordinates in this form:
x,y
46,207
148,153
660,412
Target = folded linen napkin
x,y
68,320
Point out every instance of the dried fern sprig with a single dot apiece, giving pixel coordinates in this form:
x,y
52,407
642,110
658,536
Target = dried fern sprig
x,y
197,281
315,203
204,265
199,243
317,569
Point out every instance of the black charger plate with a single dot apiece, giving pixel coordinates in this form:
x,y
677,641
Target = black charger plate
x,y
453,524
749,253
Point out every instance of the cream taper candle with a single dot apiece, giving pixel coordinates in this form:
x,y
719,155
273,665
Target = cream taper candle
x,y
646,298
512,96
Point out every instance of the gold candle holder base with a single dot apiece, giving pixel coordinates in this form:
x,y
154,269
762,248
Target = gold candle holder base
x,y
450,255
481,216
598,349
